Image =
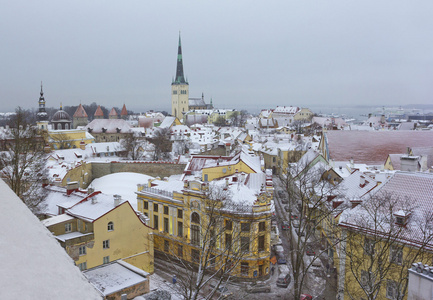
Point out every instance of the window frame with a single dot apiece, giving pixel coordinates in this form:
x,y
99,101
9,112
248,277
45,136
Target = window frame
x,y
110,226
245,227
106,244
68,227
166,225
82,250
106,259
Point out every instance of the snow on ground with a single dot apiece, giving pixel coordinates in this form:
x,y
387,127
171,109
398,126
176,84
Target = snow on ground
x,y
159,283
123,184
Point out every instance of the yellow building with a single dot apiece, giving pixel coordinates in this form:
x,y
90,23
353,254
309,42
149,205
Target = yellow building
x,y
382,237
219,203
100,229
69,139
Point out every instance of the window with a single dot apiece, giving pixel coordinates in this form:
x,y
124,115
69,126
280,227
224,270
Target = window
x,y
82,266
165,210
180,250
229,225
166,245
195,234
245,227
82,250
228,241
245,244
106,244
180,214
195,218
166,225
245,269
68,227
396,255
155,207
146,205
180,229
110,226
391,289
367,280
261,246
368,246
195,255
106,260
262,226
155,222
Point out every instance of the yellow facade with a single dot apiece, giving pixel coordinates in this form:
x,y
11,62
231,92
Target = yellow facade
x,y
128,239
179,99
303,114
68,139
174,215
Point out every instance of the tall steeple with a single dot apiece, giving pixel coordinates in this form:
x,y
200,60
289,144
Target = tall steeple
x,y
180,78
42,114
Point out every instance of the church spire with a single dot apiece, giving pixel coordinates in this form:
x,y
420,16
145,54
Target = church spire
x,y
42,114
180,78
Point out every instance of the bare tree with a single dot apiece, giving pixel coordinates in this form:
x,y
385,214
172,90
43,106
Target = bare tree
x,y
59,140
23,161
379,249
134,146
218,250
162,143
307,188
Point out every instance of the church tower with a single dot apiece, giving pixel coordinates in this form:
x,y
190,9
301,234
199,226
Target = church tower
x,y
179,88
42,115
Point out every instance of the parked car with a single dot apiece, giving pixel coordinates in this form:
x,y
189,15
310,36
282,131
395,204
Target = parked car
x,y
278,249
285,225
281,193
283,280
222,291
310,251
259,287
306,297
284,200
295,223
294,216
287,208
281,259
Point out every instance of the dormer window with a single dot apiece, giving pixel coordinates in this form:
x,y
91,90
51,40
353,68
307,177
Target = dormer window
x,y
401,217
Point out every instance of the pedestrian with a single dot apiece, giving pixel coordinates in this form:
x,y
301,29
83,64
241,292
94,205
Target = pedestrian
x,y
272,270
174,279
327,268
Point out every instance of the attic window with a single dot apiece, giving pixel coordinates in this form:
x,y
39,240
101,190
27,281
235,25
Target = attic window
x,y
118,129
401,217
104,129
89,130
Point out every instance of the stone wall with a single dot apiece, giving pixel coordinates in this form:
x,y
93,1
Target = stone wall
x,y
85,173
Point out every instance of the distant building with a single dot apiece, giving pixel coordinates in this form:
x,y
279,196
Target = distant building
x,y
42,116
61,120
113,114
80,117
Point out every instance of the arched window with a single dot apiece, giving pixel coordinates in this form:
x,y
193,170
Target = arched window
x,y
110,226
195,218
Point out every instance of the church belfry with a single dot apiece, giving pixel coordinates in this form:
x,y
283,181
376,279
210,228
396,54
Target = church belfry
x,y
42,116
179,88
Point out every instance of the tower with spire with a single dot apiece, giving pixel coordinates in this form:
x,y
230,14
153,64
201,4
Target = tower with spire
x,y
42,116
179,88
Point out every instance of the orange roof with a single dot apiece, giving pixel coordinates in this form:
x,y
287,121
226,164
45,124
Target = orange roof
x,y
113,112
80,112
99,112
124,112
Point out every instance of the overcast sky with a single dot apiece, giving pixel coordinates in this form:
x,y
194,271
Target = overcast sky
x,y
244,54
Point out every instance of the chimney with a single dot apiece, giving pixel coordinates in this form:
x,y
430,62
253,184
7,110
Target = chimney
x,y
227,182
361,181
90,190
71,187
45,182
82,145
117,199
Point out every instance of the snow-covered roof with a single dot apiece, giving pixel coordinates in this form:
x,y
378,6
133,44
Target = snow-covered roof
x,y
34,265
114,277
111,126
168,121
57,220
286,110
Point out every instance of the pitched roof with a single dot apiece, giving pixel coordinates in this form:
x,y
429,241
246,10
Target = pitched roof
x,y
124,112
373,147
22,265
80,112
113,112
110,125
99,112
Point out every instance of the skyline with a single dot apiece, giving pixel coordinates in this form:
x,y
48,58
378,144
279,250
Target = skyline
x,y
241,55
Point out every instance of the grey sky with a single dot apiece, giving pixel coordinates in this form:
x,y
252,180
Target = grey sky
x,y
243,54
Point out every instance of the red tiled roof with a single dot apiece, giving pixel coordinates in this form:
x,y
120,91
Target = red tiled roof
x,y
80,112
113,112
99,112
373,147
124,112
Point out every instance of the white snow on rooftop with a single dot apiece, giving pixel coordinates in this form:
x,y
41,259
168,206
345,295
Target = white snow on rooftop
x,y
33,264
123,184
56,220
